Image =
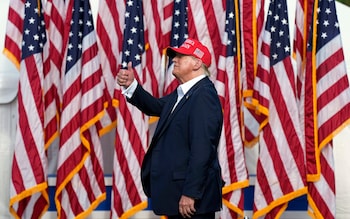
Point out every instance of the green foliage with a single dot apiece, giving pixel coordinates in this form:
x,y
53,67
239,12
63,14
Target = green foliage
x,y
345,2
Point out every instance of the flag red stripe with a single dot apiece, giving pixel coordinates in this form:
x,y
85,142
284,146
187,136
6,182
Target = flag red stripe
x,y
89,54
213,28
56,18
332,92
262,181
263,101
327,128
158,27
247,15
321,204
29,140
22,205
293,137
39,205
278,162
168,11
16,20
107,44
133,135
192,33
84,177
56,57
71,92
17,178
230,146
70,128
11,46
117,199
149,64
130,183
73,199
316,194
93,80
69,164
327,170
35,86
332,61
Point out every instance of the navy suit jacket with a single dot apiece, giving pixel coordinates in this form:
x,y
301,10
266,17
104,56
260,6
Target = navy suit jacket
x,y
182,157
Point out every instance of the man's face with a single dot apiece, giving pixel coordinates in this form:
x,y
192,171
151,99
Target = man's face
x,y
183,66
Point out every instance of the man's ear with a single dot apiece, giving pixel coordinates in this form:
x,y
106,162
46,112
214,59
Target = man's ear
x,y
198,64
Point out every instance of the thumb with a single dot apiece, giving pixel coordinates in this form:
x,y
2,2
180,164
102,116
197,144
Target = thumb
x,y
130,66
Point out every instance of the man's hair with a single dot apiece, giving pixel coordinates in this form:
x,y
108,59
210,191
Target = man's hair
x,y
206,70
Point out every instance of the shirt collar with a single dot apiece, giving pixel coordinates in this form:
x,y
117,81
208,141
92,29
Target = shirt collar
x,y
187,85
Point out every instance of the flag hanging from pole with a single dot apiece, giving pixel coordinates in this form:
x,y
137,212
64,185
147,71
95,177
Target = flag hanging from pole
x,y
251,25
80,179
154,47
326,105
303,16
281,174
109,43
14,32
231,149
55,12
28,187
132,130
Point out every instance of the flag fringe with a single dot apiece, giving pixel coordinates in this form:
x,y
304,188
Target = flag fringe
x,y
11,57
86,143
281,201
132,211
27,193
234,208
93,205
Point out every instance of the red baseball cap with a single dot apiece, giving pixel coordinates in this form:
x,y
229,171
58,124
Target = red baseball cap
x,y
191,47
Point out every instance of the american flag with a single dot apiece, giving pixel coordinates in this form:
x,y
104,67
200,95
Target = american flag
x,y
231,149
179,33
303,16
154,47
325,74
281,174
206,22
80,180
303,35
109,26
14,32
166,28
132,130
55,12
28,187
109,50
251,24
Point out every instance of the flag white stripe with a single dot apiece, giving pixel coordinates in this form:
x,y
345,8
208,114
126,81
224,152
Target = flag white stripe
x,y
69,147
330,79
326,113
328,50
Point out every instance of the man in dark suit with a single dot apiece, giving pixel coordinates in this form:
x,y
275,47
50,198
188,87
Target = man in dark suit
x,y
180,171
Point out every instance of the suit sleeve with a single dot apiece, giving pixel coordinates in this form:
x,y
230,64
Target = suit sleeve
x,y
145,102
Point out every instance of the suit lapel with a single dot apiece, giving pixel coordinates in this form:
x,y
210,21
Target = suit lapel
x,y
166,118
188,95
